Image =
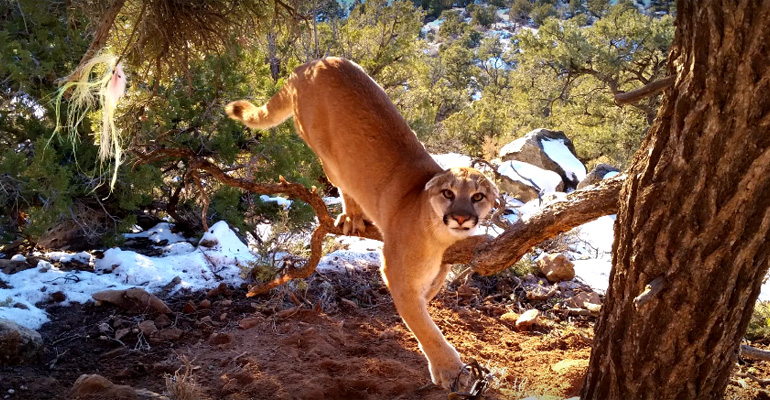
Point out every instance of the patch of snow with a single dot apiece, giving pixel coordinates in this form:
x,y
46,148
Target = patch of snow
x,y
560,154
64,257
19,258
199,268
513,147
332,200
278,200
523,172
158,233
432,26
360,253
610,174
452,160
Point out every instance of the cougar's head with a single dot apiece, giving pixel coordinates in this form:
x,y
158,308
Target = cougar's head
x,y
461,197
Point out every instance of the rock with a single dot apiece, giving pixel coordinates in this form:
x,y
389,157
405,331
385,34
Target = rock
x,y
19,345
205,304
539,292
58,297
527,320
168,335
122,332
220,338
585,300
148,327
134,299
210,242
596,175
509,318
11,267
162,321
249,322
556,267
189,308
94,387
219,290
529,149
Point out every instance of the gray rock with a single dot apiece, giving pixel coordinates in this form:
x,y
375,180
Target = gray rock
x,y
596,175
529,149
19,345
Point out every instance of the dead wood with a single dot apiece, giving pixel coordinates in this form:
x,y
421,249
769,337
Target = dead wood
x,y
755,353
647,90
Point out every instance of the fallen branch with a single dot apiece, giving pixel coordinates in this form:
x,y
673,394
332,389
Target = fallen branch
x,y
647,90
755,353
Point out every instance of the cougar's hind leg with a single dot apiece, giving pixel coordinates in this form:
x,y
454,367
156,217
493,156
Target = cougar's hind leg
x,y
352,219
438,282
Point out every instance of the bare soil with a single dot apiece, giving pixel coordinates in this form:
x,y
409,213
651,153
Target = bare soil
x,y
332,337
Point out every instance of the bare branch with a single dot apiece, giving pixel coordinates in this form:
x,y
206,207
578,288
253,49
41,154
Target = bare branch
x,y
647,90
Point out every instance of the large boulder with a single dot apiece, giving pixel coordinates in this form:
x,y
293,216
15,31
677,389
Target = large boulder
x,y
551,150
556,267
19,345
525,181
598,173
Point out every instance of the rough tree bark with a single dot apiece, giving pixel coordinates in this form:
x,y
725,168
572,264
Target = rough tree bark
x,y
694,217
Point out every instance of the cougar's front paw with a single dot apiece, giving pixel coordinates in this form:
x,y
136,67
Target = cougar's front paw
x,y
351,223
444,372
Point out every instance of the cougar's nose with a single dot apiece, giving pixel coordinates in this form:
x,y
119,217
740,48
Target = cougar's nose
x,y
461,218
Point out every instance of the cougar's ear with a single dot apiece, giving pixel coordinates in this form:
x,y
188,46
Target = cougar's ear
x,y
437,181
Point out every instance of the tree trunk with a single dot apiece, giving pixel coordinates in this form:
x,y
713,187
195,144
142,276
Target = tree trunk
x,y
694,216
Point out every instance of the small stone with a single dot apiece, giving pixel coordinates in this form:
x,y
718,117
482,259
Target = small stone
x,y
19,345
122,332
148,327
527,320
217,338
162,321
219,290
58,296
226,303
189,308
556,267
585,300
169,334
509,318
205,303
104,327
208,243
223,317
134,299
249,322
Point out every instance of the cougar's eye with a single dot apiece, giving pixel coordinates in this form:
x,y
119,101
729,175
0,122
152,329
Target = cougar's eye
x,y
477,197
448,194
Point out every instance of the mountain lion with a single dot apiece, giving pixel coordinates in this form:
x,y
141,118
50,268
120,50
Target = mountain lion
x,y
386,177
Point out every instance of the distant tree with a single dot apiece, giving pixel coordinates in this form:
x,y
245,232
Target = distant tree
x,y
690,251
519,11
483,16
541,12
575,7
453,26
597,8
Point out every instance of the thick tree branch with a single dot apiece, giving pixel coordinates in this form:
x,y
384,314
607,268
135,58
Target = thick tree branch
x,y
488,256
647,90
100,36
483,253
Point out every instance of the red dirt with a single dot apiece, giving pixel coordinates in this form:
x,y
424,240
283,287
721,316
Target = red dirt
x,y
312,344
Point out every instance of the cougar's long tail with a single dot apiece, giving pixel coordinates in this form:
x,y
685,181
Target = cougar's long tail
x,y
278,109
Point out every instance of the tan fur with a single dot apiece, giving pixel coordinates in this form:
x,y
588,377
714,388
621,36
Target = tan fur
x,y
385,174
